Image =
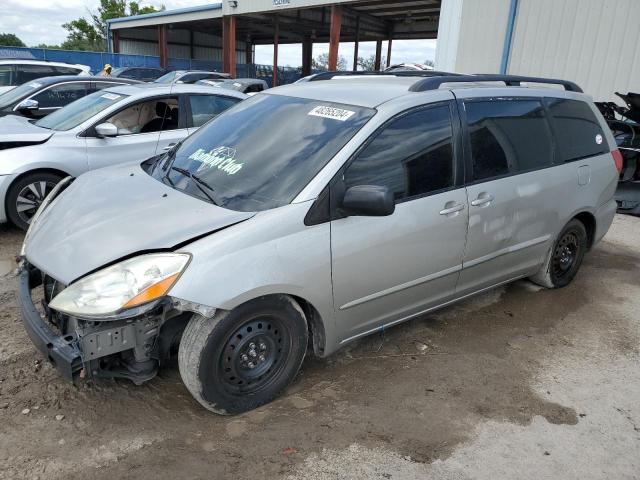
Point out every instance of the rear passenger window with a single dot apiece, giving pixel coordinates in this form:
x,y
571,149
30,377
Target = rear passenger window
x,y
61,95
578,131
508,136
205,107
412,156
26,73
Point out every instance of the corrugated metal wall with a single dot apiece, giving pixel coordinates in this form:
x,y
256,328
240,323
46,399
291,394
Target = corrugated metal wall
x,y
143,41
595,43
482,31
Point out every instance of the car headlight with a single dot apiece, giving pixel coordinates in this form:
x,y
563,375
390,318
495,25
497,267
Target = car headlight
x,y
125,285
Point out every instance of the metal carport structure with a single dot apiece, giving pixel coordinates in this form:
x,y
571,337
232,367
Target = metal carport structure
x,y
228,31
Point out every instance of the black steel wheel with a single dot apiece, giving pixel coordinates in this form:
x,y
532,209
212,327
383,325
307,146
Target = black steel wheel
x,y
25,196
565,257
243,358
253,355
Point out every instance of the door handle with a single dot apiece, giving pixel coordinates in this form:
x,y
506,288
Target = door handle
x,y
169,147
482,200
452,209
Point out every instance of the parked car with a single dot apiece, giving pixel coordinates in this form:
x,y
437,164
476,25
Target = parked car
x,y
409,67
190,76
144,74
43,96
16,72
244,85
311,215
114,125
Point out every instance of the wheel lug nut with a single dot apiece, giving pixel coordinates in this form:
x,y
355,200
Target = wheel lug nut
x,y
251,365
244,357
252,345
261,358
252,353
263,347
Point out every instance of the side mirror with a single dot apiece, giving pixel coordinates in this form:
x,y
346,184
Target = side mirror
x,y
106,130
369,201
28,105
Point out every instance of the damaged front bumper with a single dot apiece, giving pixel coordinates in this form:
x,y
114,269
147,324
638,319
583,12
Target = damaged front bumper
x,y
131,348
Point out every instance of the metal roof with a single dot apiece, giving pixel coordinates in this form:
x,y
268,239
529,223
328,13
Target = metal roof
x,y
168,13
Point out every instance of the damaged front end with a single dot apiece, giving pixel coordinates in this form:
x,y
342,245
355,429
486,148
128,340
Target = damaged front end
x,y
133,347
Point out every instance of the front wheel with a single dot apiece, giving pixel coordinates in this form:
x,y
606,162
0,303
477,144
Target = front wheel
x,y
26,194
564,258
241,359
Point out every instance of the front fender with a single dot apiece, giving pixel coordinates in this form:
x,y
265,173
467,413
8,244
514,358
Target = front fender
x,y
48,155
272,253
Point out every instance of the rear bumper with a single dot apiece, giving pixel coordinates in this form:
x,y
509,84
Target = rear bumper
x,y
61,351
604,218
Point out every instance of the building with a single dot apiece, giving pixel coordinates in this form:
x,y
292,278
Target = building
x,y
595,43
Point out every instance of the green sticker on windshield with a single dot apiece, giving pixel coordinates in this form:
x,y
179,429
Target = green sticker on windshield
x,y
223,158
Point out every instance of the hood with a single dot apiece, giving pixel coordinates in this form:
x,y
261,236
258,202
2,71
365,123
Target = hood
x,y
18,129
115,212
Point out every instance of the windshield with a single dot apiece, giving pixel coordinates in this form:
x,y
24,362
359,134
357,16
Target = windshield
x,y
262,152
166,78
18,93
79,111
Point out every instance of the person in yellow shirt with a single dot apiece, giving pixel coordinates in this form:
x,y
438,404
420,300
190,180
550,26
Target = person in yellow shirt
x,y
106,70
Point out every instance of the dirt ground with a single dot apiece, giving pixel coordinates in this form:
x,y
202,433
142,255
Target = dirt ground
x,y
517,383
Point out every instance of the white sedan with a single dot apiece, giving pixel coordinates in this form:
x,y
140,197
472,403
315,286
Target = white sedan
x,y
114,125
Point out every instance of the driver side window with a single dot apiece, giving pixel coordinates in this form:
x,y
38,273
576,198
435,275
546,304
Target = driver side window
x,y
412,155
159,114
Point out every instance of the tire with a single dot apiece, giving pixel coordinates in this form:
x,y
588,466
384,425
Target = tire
x,y
215,357
564,258
28,191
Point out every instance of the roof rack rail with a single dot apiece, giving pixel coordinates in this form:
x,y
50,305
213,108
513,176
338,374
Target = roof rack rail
x,y
510,80
416,73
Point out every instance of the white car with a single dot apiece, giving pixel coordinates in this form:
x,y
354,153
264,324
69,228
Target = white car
x,y
114,125
17,72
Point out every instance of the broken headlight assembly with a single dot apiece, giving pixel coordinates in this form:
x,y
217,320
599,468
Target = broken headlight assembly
x,y
122,290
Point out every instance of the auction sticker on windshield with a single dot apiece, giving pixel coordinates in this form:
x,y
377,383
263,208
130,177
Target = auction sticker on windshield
x,y
223,158
332,113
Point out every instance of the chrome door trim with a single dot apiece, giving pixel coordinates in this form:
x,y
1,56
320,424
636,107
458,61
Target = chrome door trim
x,y
402,286
442,305
504,251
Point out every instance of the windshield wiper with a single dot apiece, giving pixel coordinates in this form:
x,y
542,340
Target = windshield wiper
x,y
201,184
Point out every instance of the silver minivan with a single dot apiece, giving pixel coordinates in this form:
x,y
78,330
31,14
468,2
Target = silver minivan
x,y
311,215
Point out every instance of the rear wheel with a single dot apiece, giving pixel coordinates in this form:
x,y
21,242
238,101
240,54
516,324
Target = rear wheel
x,y
239,360
26,194
564,258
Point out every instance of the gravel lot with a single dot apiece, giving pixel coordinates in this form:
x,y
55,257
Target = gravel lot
x,y
516,383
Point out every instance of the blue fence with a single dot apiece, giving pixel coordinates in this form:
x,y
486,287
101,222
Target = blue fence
x,y
96,60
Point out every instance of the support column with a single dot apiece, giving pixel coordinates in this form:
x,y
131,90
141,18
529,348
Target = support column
x,y
191,44
248,53
116,41
307,56
376,65
162,46
334,36
229,45
276,38
356,45
389,50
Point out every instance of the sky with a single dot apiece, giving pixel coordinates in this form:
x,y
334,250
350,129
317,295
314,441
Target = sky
x,y
40,21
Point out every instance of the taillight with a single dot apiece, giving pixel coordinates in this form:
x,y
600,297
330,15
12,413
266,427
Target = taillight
x,y
618,160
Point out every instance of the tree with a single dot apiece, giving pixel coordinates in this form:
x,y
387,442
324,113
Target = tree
x,y
430,63
321,62
91,34
369,64
10,40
